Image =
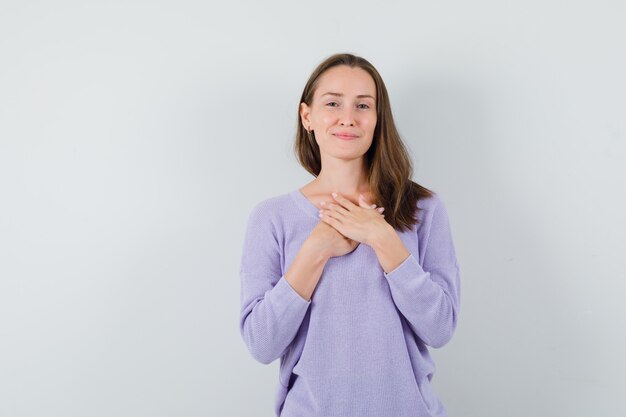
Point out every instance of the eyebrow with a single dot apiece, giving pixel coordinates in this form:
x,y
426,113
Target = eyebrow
x,y
341,95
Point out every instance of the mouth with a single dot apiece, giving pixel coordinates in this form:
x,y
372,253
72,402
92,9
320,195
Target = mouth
x,y
345,137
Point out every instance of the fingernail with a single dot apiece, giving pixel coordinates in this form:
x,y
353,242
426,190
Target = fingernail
x,y
334,194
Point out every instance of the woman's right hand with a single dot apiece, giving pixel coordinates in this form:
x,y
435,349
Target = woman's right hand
x,y
330,242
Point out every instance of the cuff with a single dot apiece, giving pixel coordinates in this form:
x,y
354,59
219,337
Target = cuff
x,y
402,264
408,269
286,299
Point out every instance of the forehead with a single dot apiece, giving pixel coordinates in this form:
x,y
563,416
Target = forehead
x,y
346,80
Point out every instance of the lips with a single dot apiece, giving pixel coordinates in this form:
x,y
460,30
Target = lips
x,y
345,136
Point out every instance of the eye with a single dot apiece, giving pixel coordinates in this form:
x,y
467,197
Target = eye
x,y
366,106
332,102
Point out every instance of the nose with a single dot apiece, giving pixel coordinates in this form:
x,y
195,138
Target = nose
x,y
347,117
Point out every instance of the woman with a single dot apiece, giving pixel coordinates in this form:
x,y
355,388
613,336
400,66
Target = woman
x,y
347,297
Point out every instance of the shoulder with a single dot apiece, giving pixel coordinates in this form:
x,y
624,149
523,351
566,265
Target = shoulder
x,y
269,209
433,217
428,206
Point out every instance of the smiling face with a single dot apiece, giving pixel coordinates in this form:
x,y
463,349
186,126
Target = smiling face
x,y
342,114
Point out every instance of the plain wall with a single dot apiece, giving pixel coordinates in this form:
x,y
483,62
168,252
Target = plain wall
x,y
135,137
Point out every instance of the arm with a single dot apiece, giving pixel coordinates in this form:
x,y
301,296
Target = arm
x,y
271,308
429,296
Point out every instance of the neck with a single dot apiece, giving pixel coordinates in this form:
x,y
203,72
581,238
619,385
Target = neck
x,y
347,178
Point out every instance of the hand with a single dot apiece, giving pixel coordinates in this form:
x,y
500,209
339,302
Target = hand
x,y
357,222
328,241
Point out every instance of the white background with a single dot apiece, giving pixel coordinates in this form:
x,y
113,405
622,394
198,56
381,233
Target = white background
x,y
135,137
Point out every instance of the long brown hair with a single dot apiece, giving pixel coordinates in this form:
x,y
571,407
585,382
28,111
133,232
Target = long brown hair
x,y
390,168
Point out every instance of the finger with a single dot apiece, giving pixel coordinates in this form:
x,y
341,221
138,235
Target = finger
x,y
344,201
363,203
329,219
336,208
333,213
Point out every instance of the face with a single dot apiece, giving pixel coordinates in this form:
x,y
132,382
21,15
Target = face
x,y
343,112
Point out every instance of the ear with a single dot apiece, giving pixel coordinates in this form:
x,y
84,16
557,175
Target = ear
x,y
305,112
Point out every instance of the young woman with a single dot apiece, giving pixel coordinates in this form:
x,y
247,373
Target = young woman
x,y
347,297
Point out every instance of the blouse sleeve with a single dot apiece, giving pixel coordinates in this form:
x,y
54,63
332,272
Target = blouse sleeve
x,y
429,296
271,310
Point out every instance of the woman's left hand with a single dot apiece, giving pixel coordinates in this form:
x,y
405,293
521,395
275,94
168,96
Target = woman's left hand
x,y
361,223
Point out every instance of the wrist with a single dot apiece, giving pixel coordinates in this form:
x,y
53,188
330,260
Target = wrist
x,y
315,251
381,236
390,249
